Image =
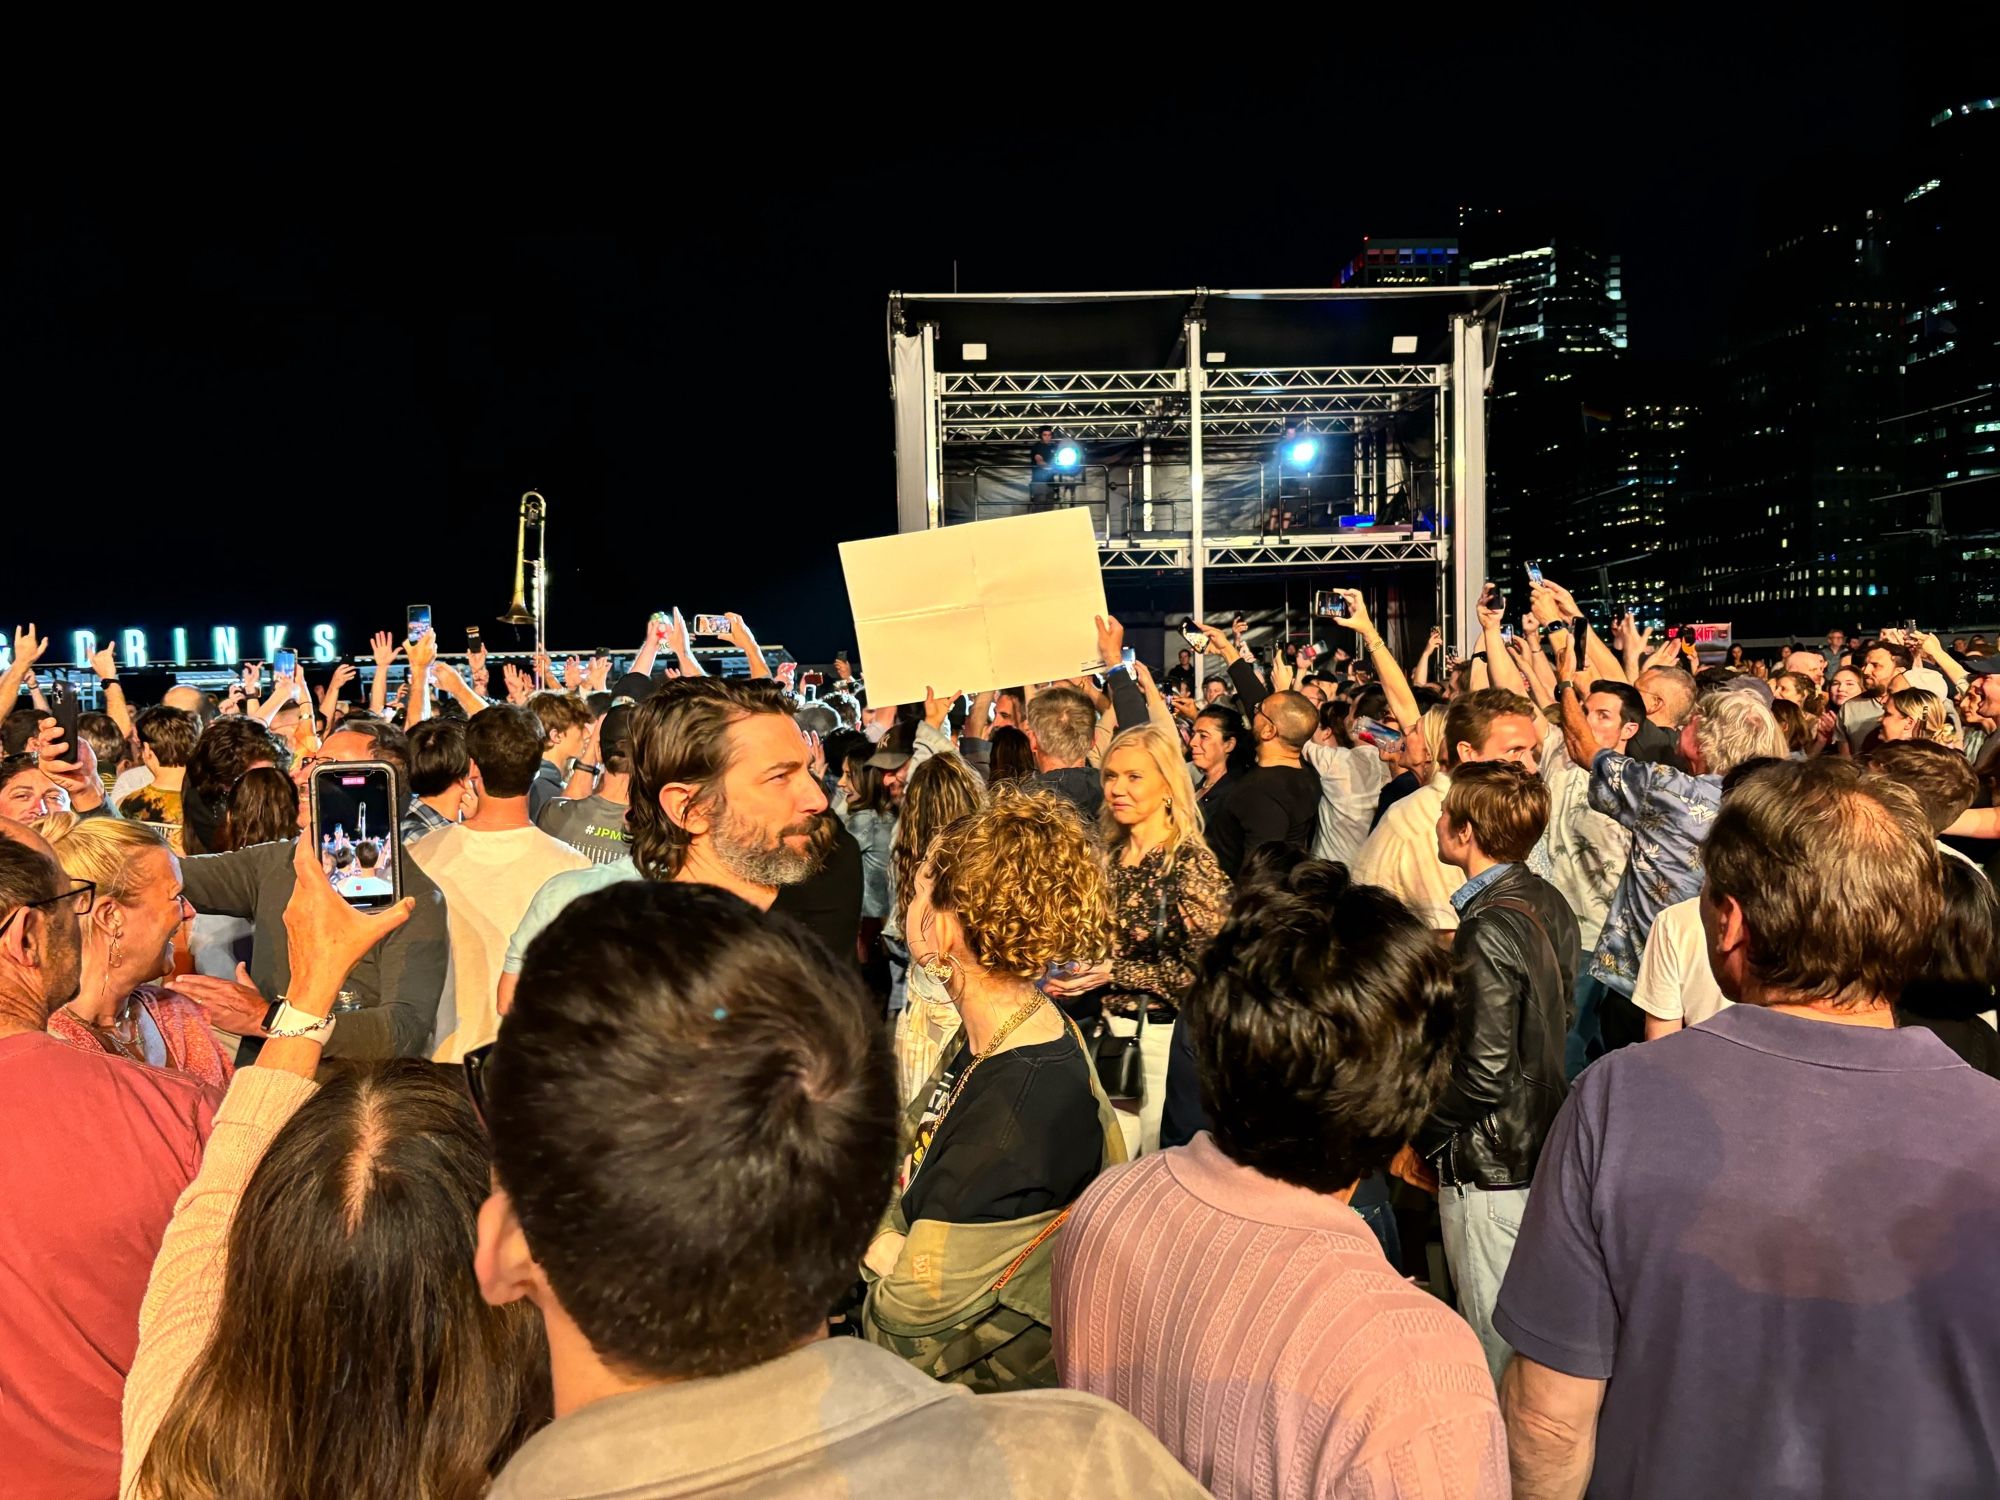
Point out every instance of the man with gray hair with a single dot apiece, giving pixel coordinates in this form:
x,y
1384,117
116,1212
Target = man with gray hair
x,y
1668,811
1061,725
1693,1308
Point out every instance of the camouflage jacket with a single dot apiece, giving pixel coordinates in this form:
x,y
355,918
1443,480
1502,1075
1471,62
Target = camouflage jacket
x,y
969,1303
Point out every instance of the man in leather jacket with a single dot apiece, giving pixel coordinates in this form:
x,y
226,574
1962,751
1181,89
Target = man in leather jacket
x,y
1515,953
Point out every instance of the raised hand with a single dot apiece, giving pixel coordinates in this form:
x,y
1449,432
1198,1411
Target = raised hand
x,y
572,675
28,646
385,649
1110,641
843,669
817,752
1281,674
937,710
739,634
545,672
599,676
519,687
674,632
324,935
1565,601
1358,619
104,662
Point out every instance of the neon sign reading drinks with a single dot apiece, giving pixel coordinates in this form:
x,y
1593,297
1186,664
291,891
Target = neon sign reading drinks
x,y
180,645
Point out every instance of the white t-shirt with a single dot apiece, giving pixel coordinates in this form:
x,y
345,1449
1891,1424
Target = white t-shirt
x,y
1350,784
1401,856
130,780
1674,977
488,879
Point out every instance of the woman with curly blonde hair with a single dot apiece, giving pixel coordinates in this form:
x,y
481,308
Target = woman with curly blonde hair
x,y
1013,1126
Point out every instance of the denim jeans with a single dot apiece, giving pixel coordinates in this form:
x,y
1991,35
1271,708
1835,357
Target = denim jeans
x,y
1480,1227
1584,1041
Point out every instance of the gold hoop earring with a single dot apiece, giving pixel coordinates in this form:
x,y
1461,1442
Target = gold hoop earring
x,y
939,970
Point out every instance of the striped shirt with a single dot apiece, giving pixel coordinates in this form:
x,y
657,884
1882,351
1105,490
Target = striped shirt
x,y
1256,1329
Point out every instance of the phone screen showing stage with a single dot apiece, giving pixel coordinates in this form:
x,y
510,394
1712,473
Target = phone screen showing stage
x,y
354,827
420,620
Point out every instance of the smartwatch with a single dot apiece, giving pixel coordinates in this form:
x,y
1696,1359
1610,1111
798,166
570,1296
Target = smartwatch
x,y
287,1020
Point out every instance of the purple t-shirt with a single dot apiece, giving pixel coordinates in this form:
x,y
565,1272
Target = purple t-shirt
x,y
1779,1240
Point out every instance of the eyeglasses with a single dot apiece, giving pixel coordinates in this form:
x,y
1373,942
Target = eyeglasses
x,y
475,1064
83,893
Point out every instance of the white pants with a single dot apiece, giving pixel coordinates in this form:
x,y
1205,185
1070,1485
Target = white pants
x,y
1142,1131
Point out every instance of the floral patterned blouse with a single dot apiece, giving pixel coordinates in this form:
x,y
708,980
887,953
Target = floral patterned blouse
x,y
1164,913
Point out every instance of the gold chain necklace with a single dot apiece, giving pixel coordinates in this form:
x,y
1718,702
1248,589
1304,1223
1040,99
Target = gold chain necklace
x,y
1006,1029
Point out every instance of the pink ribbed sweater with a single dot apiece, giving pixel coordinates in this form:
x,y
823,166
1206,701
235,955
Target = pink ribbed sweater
x,y
1258,1331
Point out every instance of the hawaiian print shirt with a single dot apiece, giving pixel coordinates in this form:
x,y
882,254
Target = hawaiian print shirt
x,y
1668,813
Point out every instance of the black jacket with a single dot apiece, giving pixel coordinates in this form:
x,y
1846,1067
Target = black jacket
x,y
1515,978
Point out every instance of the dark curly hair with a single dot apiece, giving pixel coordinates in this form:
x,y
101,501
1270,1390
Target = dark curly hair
x,y
1324,1023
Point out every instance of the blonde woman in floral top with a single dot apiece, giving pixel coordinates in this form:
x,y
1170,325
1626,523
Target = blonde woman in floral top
x,y
1169,897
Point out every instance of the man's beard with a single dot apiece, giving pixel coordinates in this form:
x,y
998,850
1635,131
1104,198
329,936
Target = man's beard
x,y
749,855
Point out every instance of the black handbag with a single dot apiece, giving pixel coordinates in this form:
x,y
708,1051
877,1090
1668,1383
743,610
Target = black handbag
x,y
1121,1066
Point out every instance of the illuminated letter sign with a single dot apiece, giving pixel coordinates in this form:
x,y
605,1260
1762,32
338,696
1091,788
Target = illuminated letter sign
x,y
324,648
225,642
85,642
135,648
180,646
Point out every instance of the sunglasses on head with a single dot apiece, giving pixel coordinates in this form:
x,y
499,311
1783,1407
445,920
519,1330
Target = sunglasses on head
x,y
475,1064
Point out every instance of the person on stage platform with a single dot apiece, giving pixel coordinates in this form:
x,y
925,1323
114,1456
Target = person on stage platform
x,y
1041,470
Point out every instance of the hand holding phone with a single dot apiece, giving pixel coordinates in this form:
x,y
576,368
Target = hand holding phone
x,y
717,625
284,662
353,825
419,621
1193,634
1535,574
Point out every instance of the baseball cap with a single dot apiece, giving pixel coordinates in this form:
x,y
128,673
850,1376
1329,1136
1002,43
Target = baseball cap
x,y
889,760
1982,666
615,733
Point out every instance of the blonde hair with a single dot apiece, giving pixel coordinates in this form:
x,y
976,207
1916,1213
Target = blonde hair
x,y
1183,811
1928,709
1026,881
104,851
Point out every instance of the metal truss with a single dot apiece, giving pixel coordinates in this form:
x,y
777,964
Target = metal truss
x,y
1133,557
1321,552
1317,551
1008,406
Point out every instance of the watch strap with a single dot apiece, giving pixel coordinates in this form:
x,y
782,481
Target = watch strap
x,y
286,1020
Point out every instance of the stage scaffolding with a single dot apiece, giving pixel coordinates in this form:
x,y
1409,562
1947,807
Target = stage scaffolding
x,y
1180,398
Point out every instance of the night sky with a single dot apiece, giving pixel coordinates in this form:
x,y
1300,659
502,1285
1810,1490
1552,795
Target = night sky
x,y
292,372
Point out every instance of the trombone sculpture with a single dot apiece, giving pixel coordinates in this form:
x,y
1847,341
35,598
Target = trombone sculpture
x,y
535,513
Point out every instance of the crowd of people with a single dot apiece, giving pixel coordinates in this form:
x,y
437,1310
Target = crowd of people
x,y
1293,1075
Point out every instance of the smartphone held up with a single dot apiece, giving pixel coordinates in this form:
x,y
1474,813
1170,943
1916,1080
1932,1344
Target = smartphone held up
x,y
354,826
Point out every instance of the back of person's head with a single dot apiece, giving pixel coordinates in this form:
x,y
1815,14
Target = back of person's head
x,y
438,758
681,735
1929,711
1836,873
367,853
939,792
1163,751
1063,723
614,742
1941,778
1675,690
1333,721
1241,749
1010,757
1504,806
226,749
1293,718
694,1123
1371,703
870,794
1471,716
1323,1022
1731,728
1958,980
816,718
263,807
352,1353
169,733
505,743
19,728
106,740
558,714
1016,926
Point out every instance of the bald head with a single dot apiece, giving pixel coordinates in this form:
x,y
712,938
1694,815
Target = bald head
x,y
1292,718
1669,695
187,699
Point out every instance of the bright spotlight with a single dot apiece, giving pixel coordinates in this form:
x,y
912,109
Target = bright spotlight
x,y
1068,456
1303,452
